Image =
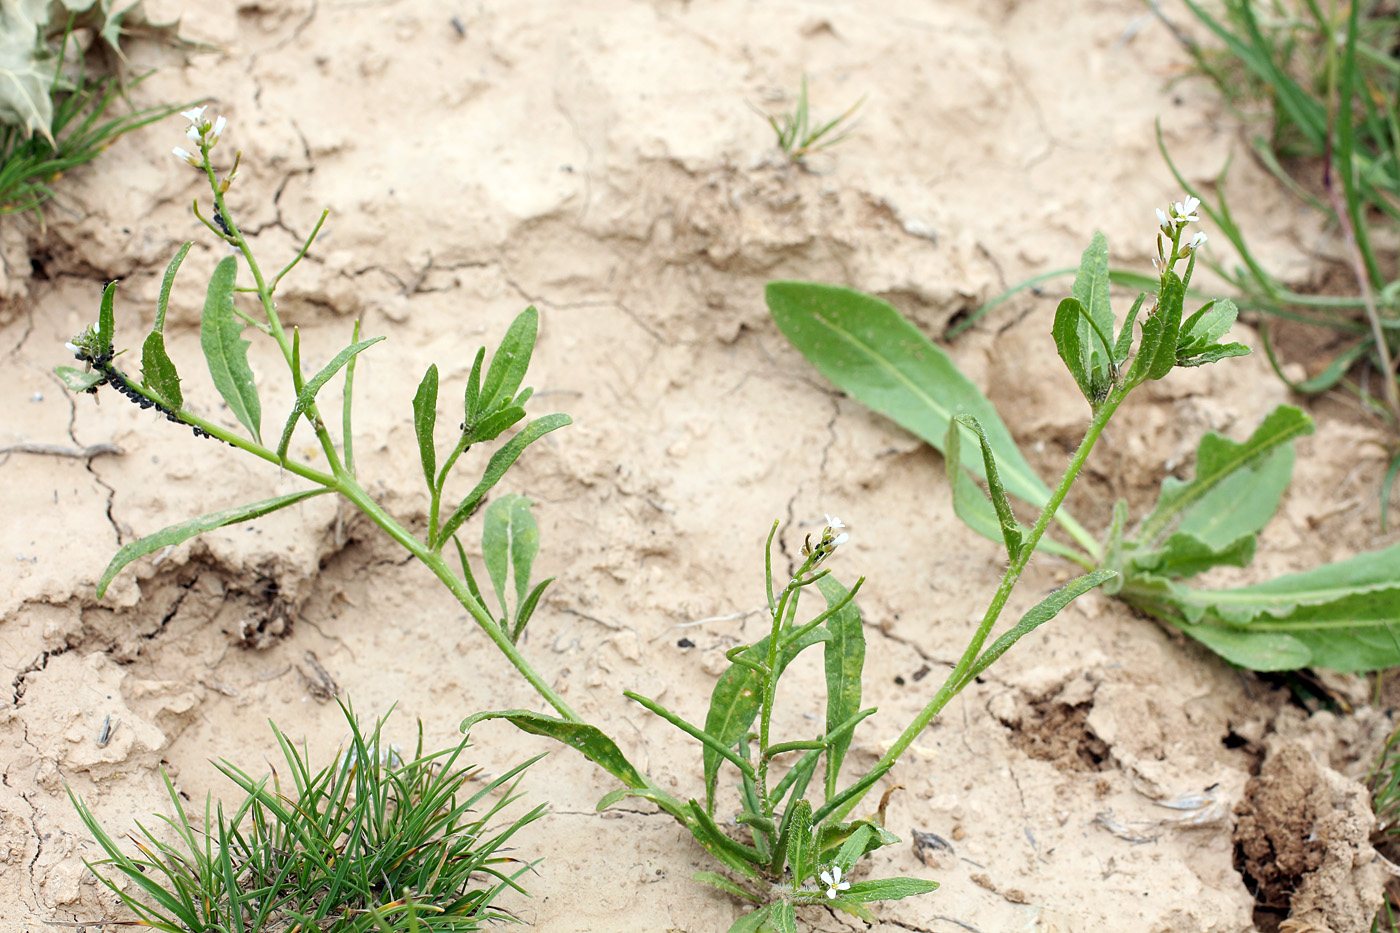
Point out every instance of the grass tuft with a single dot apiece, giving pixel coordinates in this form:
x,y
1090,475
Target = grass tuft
x,y
373,842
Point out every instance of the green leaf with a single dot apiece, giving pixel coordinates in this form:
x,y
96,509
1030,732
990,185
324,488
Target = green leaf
x,y
1043,612
163,300
588,740
527,608
158,371
735,700
1185,555
785,917
844,659
725,885
1220,502
752,922
733,853
1213,354
1196,344
1255,651
866,348
855,845
424,423
511,361
711,743
887,889
1168,317
472,401
1091,290
1113,549
1069,319
227,351
307,395
497,466
1125,336
76,380
974,508
1341,614
800,854
106,318
176,534
493,425
1010,531
510,539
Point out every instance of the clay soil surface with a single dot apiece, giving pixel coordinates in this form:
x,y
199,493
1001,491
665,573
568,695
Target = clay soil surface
x,y
601,161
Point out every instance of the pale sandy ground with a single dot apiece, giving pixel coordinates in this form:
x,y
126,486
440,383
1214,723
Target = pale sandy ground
x,y
602,162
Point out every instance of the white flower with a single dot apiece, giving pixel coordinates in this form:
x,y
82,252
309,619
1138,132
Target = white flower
x,y
184,156
833,522
193,133
839,540
1198,241
217,131
833,882
1164,221
73,348
1185,211
195,115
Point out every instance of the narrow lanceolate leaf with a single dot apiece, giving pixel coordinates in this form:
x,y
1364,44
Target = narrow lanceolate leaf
x,y
158,371
163,301
106,317
752,922
76,380
512,359
1069,319
975,510
307,395
176,534
735,700
865,347
887,889
496,467
510,539
800,854
725,885
1166,320
1237,485
227,351
590,741
1043,612
424,422
1095,329
1010,531
844,659
1125,336
785,917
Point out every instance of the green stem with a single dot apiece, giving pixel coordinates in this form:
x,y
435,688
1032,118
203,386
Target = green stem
x,y
274,322
351,490
954,682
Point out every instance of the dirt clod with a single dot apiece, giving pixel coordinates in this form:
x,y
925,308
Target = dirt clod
x,y
1302,845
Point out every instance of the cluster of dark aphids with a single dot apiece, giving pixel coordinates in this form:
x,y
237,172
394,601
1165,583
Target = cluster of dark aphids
x,y
102,362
